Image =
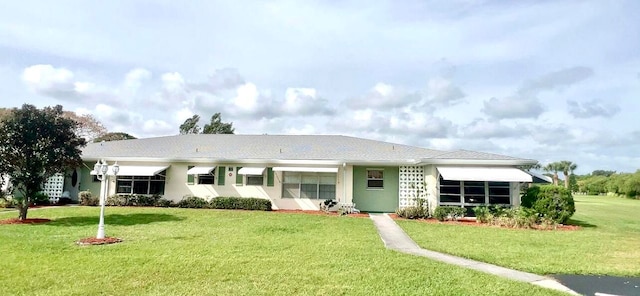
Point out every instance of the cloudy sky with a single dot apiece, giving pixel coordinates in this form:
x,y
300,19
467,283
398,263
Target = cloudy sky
x,y
549,80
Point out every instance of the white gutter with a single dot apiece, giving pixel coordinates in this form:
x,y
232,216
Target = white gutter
x,y
344,182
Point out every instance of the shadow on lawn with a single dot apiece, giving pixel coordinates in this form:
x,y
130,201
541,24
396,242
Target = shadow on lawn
x,y
581,223
115,219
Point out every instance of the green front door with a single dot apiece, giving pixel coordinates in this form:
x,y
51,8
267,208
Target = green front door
x,y
375,188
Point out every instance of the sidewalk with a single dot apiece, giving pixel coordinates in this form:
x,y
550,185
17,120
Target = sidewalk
x,y
396,239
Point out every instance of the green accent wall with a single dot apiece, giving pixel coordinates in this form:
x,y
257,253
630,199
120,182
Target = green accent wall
x,y
86,181
376,200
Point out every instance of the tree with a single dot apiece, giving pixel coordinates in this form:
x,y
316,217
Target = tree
x,y
113,137
603,173
88,127
530,167
567,168
554,168
34,145
190,126
217,126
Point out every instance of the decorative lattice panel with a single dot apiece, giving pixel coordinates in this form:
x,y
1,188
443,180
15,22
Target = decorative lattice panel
x,y
411,185
53,187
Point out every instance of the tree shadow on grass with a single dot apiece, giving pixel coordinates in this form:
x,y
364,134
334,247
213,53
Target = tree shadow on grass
x,y
115,219
581,223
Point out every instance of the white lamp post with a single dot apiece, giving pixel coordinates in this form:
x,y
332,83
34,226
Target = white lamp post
x,y
102,168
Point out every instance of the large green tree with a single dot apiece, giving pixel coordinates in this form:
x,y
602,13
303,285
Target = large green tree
x,y
35,144
190,126
215,126
567,168
554,168
113,137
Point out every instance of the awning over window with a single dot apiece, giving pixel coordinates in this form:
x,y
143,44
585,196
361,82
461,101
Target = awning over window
x,y
306,169
484,174
540,178
131,170
251,171
200,170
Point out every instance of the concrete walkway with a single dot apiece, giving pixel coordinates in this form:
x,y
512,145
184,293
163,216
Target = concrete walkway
x,y
396,239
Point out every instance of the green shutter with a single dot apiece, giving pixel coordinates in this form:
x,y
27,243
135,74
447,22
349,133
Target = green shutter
x,y
190,179
221,175
270,177
238,176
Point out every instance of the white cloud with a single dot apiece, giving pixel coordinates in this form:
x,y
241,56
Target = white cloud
x,y
592,108
134,79
331,67
443,91
48,80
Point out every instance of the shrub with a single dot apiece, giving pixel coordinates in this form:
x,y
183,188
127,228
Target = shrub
x,y
41,199
193,202
164,203
483,214
240,203
443,213
87,199
6,203
117,200
419,211
143,200
551,202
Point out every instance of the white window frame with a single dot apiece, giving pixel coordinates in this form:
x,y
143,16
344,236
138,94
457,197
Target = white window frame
x,y
462,202
299,183
375,179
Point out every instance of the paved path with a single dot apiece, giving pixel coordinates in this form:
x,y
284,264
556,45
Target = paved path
x,y
396,239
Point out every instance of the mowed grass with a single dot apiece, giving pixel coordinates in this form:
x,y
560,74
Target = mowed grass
x,y
607,244
215,252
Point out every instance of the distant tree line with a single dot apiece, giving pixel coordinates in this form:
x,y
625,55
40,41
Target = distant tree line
x,y
609,182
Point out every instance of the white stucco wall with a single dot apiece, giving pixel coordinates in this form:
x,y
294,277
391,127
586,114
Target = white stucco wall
x,y
177,186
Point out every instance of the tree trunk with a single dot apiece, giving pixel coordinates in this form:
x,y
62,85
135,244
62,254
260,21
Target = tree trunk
x,y
555,179
566,181
23,212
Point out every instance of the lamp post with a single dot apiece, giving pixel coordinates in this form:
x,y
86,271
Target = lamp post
x,y
102,168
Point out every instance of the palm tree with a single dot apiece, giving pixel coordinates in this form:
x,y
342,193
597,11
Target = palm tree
x,y
567,168
555,168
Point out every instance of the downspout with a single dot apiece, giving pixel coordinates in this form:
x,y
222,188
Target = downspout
x,y
344,182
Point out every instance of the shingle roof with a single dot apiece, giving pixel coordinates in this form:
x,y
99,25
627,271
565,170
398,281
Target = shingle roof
x,y
219,147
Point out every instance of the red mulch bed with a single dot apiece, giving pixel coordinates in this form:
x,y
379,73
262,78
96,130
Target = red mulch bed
x,y
321,213
25,221
472,222
96,241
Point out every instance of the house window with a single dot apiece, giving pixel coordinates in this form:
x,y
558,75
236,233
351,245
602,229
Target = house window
x,y
474,193
309,185
207,178
499,193
141,184
257,180
375,179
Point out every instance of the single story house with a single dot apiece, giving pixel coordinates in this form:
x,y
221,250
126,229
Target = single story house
x,y
300,171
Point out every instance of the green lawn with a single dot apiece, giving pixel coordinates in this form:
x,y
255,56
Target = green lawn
x,y
608,243
197,252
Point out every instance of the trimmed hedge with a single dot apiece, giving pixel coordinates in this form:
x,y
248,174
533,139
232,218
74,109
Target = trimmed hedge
x,y
192,202
240,203
552,202
135,200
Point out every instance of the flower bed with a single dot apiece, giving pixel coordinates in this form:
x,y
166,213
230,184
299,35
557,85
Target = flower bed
x,y
25,221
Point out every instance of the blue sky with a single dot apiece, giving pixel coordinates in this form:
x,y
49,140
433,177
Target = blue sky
x,y
548,80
